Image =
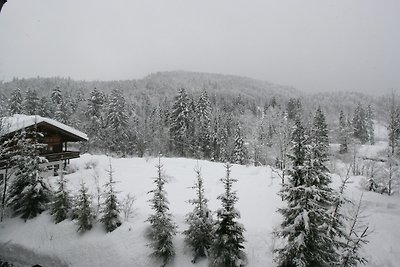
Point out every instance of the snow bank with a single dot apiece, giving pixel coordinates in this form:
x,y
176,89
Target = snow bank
x,y
258,201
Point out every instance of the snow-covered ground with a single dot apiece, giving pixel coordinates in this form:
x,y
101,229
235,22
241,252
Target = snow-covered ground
x,y
257,189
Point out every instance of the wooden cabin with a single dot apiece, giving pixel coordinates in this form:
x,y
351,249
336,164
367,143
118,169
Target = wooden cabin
x,y
55,136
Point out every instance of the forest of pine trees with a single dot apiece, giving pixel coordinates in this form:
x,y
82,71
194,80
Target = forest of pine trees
x,y
284,135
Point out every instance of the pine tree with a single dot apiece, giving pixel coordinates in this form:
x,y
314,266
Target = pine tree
x,y
343,133
199,234
239,151
95,115
180,124
319,136
227,247
370,125
393,126
16,102
84,211
110,218
204,132
62,200
309,198
31,102
360,124
117,118
162,227
29,192
56,96
62,113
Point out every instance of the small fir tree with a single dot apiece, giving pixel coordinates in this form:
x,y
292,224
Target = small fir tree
x,y
227,247
84,211
110,218
29,192
199,234
62,200
162,227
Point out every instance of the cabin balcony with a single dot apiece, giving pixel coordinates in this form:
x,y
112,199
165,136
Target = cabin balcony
x,y
64,155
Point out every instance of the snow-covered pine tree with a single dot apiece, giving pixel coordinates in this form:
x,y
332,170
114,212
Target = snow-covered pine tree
x,y
309,199
319,137
370,124
360,124
62,112
62,200
84,210
227,248
393,125
110,218
180,122
162,227
117,118
199,234
343,134
31,102
204,117
95,116
29,192
15,101
56,96
239,151
45,108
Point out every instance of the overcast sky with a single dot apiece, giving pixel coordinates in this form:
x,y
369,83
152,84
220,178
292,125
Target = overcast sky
x,y
311,45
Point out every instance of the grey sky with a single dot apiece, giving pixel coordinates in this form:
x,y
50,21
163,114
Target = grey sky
x,y
311,45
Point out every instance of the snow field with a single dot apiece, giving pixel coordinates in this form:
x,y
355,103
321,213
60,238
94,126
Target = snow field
x,y
257,189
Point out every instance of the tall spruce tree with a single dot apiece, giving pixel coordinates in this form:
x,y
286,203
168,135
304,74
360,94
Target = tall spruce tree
x,y
239,151
15,101
393,126
360,124
343,133
180,124
203,111
84,211
62,200
309,199
199,234
31,102
319,136
227,247
370,124
162,227
29,193
111,218
117,118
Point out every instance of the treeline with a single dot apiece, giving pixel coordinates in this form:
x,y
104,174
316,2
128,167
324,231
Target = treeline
x,y
199,125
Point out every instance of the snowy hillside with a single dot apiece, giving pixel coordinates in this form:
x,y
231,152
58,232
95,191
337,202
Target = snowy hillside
x,y
257,189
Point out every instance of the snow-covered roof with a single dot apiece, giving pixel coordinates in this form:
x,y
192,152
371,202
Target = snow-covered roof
x,y
19,121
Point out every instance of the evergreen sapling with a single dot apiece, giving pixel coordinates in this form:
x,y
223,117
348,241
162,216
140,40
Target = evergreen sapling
x,y
110,218
162,227
199,234
227,247
62,200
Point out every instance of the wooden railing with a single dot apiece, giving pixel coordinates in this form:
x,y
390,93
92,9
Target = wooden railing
x,y
61,155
